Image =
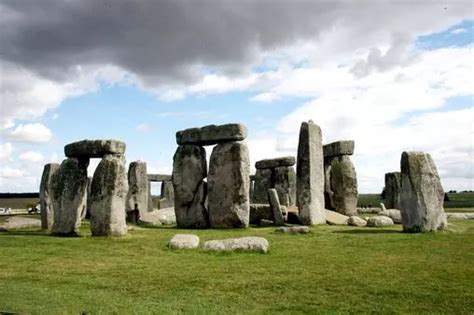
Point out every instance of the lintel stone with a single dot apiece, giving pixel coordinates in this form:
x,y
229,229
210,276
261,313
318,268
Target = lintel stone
x,y
212,134
94,148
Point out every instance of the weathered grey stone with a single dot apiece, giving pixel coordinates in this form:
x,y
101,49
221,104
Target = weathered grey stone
x,y
257,244
275,207
94,148
276,162
310,175
334,218
344,147
356,221
252,177
167,195
393,214
264,222
137,198
462,216
150,198
392,190
421,197
85,214
340,185
212,134
251,189
284,181
229,184
293,229
108,197
379,221
45,194
159,177
184,241
167,216
368,210
19,222
69,184
263,182
259,211
190,190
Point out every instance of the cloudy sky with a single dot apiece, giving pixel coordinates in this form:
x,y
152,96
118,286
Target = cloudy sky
x,y
392,75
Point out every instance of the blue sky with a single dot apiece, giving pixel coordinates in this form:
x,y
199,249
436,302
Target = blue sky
x,y
388,92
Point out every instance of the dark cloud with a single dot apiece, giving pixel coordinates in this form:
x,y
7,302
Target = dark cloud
x,y
164,41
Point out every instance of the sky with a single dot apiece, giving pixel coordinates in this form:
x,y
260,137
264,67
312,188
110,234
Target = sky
x,y
392,75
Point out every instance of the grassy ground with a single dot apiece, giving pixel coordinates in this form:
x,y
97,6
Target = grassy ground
x,y
458,200
334,269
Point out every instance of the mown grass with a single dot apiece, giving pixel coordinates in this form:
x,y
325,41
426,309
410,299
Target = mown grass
x,y
334,269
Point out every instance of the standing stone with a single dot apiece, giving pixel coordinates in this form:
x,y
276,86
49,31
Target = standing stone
x,y
137,187
263,182
341,185
275,206
108,197
85,211
167,195
69,185
392,190
421,197
284,178
46,204
190,190
229,183
150,198
310,175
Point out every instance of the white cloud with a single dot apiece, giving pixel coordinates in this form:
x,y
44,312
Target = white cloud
x,y
458,31
6,150
31,156
32,133
7,172
143,127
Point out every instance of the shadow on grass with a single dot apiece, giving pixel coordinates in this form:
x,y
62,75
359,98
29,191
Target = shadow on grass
x,y
368,231
24,233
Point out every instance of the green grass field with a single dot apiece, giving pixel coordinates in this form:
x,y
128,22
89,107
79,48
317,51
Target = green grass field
x,y
334,269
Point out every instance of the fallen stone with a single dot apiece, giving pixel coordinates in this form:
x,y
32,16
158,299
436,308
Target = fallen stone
x,y
108,196
356,221
422,196
264,222
256,244
392,190
393,214
184,241
379,221
345,147
45,194
137,198
275,207
167,216
18,222
463,216
229,182
69,185
212,134
334,218
341,185
190,190
259,211
277,162
159,178
310,175
94,148
368,210
293,229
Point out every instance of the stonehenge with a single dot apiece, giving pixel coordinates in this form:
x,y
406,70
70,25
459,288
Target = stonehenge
x,y
275,173
69,184
167,191
222,201
392,190
340,179
46,203
138,193
421,195
310,175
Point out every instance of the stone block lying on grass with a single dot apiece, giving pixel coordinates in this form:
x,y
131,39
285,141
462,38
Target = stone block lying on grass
x,y
356,221
334,218
293,229
184,241
463,216
251,243
393,214
379,221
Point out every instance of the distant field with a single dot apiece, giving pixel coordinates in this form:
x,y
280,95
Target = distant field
x,y
458,200
17,203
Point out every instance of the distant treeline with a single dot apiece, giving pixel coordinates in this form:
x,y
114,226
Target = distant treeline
x,y
19,195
